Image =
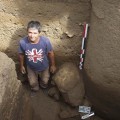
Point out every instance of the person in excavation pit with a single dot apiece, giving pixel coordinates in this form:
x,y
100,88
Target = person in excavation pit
x,y
38,54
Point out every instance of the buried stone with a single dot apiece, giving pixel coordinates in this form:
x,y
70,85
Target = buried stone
x,y
70,84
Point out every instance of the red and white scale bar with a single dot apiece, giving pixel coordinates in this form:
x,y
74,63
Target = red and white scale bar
x,y
82,52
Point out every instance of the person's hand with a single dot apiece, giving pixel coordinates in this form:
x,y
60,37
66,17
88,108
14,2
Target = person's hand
x,y
52,69
22,70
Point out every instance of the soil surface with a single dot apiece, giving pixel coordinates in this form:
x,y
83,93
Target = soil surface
x,y
43,107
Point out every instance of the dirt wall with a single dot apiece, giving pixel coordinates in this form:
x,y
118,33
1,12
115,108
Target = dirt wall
x,y
102,64
61,22
12,94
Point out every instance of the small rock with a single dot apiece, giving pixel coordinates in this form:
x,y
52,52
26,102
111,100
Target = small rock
x,y
53,92
69,35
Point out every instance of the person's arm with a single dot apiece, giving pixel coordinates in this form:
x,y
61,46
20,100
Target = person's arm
x,y
52,61
21,59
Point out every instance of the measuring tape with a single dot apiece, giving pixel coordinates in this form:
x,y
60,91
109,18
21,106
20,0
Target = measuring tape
x,y
82,51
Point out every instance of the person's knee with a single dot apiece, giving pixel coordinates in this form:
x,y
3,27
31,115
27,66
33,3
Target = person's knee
x,y
45,80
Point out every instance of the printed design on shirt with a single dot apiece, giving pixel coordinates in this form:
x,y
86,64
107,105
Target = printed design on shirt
x,y
35,55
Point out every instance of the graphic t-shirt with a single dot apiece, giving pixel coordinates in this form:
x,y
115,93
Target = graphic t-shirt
x,y
36,54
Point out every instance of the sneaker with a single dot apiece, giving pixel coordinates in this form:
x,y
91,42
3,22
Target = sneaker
x,y
44,86
33,93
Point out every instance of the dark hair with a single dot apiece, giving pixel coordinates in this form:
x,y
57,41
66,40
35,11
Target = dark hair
x,y
34,24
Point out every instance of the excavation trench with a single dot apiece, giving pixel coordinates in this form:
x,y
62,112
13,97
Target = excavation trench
x,y
62,22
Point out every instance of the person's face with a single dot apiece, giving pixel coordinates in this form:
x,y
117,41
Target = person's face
x,y
33,34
